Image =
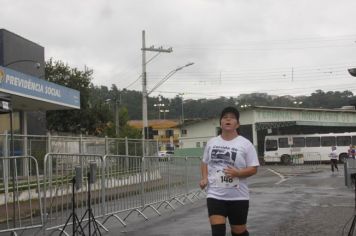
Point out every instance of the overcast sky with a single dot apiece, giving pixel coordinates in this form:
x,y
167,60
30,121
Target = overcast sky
x,y
279,47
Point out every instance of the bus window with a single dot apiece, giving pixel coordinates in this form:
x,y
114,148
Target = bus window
x,y
283,143
313,142
353,140
343,140
271,145
298,142
328,141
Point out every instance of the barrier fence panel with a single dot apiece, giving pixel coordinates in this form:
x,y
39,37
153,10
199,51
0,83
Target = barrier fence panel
x,y
133,184
307,160
158,182
116,146
177,174
123,188
193,176
60,169
123,185
20,195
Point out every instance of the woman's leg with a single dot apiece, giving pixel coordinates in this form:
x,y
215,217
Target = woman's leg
x,y
218,225
217,216
239,230
237,213
332,165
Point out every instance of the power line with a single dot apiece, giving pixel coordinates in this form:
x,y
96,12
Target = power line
x,y
133,82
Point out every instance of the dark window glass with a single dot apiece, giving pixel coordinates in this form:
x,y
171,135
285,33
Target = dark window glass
x,y
328,141
298,142
343,140
353,140
271,145
283,142
169,133
312,142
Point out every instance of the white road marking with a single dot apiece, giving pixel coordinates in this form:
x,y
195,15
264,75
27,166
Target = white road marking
x,y
279,174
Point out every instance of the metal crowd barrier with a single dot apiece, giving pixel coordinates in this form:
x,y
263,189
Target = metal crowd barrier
x,y
124,185
58,174
134,184
20,195
307,160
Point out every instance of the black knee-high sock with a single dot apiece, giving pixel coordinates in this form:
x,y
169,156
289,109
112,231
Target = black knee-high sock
x,y
218,230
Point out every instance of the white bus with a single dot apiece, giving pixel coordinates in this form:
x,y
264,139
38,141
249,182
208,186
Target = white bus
x,y
308,147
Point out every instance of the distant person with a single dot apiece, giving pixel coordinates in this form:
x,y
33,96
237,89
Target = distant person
x,y
227,162
333,159
351,152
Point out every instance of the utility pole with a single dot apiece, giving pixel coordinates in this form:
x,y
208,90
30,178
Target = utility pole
x,y
182,115
117,124
144,88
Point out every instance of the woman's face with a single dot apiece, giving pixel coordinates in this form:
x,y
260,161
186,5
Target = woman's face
x,y
229,122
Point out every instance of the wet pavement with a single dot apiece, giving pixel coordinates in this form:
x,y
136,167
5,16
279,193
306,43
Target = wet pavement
x,y
284,201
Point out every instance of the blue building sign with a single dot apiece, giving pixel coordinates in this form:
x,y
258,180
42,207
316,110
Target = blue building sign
x,y
23,85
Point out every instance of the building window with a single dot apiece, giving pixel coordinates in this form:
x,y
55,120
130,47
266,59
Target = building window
x,y
197,144
155,132
184,131
204,144
169,133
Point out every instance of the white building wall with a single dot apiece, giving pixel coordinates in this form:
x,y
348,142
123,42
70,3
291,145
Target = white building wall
x,y
199,133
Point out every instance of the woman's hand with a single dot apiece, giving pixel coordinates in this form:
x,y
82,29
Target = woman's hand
x,y
203,183
231,171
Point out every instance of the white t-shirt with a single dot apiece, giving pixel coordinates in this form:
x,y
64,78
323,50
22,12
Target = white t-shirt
x,y
333,154
219,154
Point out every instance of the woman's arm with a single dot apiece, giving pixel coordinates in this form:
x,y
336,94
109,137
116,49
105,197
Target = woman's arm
x,y
204,175
231,171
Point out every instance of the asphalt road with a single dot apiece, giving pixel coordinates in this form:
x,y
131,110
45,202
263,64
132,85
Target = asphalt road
x,y
284,201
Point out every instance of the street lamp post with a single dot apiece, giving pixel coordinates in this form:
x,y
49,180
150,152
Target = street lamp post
x,y
159,105
144,84
181,94
297,103
145,94
352,71
164,113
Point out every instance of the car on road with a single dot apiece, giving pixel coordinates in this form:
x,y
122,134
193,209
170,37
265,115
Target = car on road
x,y
163,155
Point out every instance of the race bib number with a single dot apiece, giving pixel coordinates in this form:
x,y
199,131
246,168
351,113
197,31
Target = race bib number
x,y
222,181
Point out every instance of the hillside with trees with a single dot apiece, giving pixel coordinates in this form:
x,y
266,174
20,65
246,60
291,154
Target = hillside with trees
x,y
99,103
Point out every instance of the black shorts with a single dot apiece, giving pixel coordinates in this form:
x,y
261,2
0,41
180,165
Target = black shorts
x,y
236,210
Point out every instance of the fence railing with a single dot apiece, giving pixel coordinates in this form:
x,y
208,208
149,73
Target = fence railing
x,y
20,194
124,184
38,145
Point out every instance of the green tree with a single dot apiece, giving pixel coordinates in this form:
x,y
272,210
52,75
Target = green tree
x,y
92,116
125,129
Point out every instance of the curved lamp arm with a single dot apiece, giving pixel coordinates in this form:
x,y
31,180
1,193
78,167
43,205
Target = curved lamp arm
x,y
165,78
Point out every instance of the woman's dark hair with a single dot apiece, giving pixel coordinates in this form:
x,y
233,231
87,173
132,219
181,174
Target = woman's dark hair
x,y
232,110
